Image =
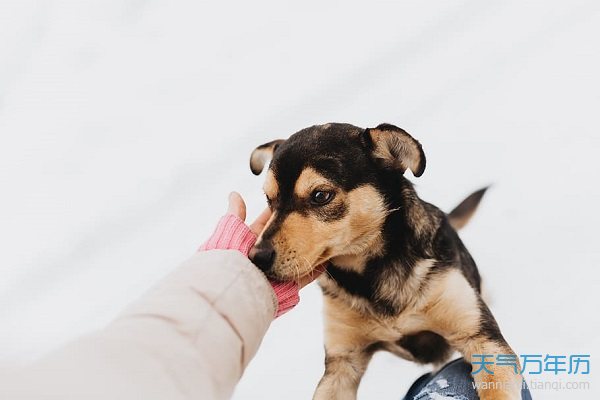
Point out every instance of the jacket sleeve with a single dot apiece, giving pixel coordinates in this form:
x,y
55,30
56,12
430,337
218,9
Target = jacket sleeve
x,y
188,338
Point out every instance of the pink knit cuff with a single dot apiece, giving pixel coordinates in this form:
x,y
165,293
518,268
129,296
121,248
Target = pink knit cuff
x,y
231,233
287,296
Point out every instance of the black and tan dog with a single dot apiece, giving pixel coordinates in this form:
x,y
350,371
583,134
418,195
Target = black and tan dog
x,y
398,276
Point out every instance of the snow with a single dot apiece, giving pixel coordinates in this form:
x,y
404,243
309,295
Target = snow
x,y
124,124
442,383
437,396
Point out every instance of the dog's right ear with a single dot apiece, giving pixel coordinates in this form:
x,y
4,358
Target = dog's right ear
x,y
262,154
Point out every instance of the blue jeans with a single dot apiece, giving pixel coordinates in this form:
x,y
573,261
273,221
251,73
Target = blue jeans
x,y
453,381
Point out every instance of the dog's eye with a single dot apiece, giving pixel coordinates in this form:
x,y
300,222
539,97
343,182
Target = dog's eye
x,y
321,197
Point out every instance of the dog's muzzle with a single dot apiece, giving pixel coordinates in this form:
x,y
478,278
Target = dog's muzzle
x,y
262,255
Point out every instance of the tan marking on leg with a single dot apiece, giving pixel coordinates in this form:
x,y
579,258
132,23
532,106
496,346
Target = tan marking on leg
x,y
503,383
345,328
452,309
451,305
346,348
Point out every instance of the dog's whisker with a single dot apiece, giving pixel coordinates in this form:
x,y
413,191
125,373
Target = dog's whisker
x,y
331,276
307,264
297,274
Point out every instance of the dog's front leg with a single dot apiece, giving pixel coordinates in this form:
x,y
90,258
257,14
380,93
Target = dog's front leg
x,y
343,372
496,382
496,367
457,312
347,352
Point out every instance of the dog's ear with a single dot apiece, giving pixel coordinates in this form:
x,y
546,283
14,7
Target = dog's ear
x,y
262,154
393,148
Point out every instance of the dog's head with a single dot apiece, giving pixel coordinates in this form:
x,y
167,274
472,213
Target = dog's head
x,y
322,187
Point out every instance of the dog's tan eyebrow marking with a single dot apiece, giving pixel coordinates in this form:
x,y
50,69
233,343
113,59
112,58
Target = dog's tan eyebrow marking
x,y
271,187
307,181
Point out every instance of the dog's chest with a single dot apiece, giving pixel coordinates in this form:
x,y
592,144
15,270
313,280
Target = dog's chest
x,y
392,294
361,311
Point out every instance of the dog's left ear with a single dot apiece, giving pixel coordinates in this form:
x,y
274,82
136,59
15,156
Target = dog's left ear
x,y
394,148
262,154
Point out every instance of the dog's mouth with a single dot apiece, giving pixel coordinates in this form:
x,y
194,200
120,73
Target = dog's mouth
x,y
301,278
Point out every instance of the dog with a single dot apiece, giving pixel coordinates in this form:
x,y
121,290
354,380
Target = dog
x,y
398,277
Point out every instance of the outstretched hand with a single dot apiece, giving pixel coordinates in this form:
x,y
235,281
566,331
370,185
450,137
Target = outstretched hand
x,y
237,207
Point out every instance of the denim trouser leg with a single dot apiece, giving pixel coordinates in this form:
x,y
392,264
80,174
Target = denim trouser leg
x,y
453,381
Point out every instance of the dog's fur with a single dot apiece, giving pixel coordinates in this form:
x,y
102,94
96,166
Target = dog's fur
x,y
398,276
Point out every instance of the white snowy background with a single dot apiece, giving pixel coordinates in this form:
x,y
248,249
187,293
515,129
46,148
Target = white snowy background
x,y
124,125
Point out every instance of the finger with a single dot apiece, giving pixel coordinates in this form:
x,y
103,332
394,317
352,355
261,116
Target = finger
x,y
237,206
259,224
314,274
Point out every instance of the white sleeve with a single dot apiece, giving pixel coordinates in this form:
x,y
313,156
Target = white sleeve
x,y
188,338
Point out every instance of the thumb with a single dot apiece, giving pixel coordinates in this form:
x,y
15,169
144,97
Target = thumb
x,y
237,206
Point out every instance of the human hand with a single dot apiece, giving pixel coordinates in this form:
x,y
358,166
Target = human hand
x,y
237,207
232,233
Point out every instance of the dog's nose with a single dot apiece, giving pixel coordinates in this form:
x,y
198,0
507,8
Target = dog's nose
x,y
262,257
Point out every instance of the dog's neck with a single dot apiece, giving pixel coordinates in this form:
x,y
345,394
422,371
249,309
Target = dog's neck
x,y
420,219
352,262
